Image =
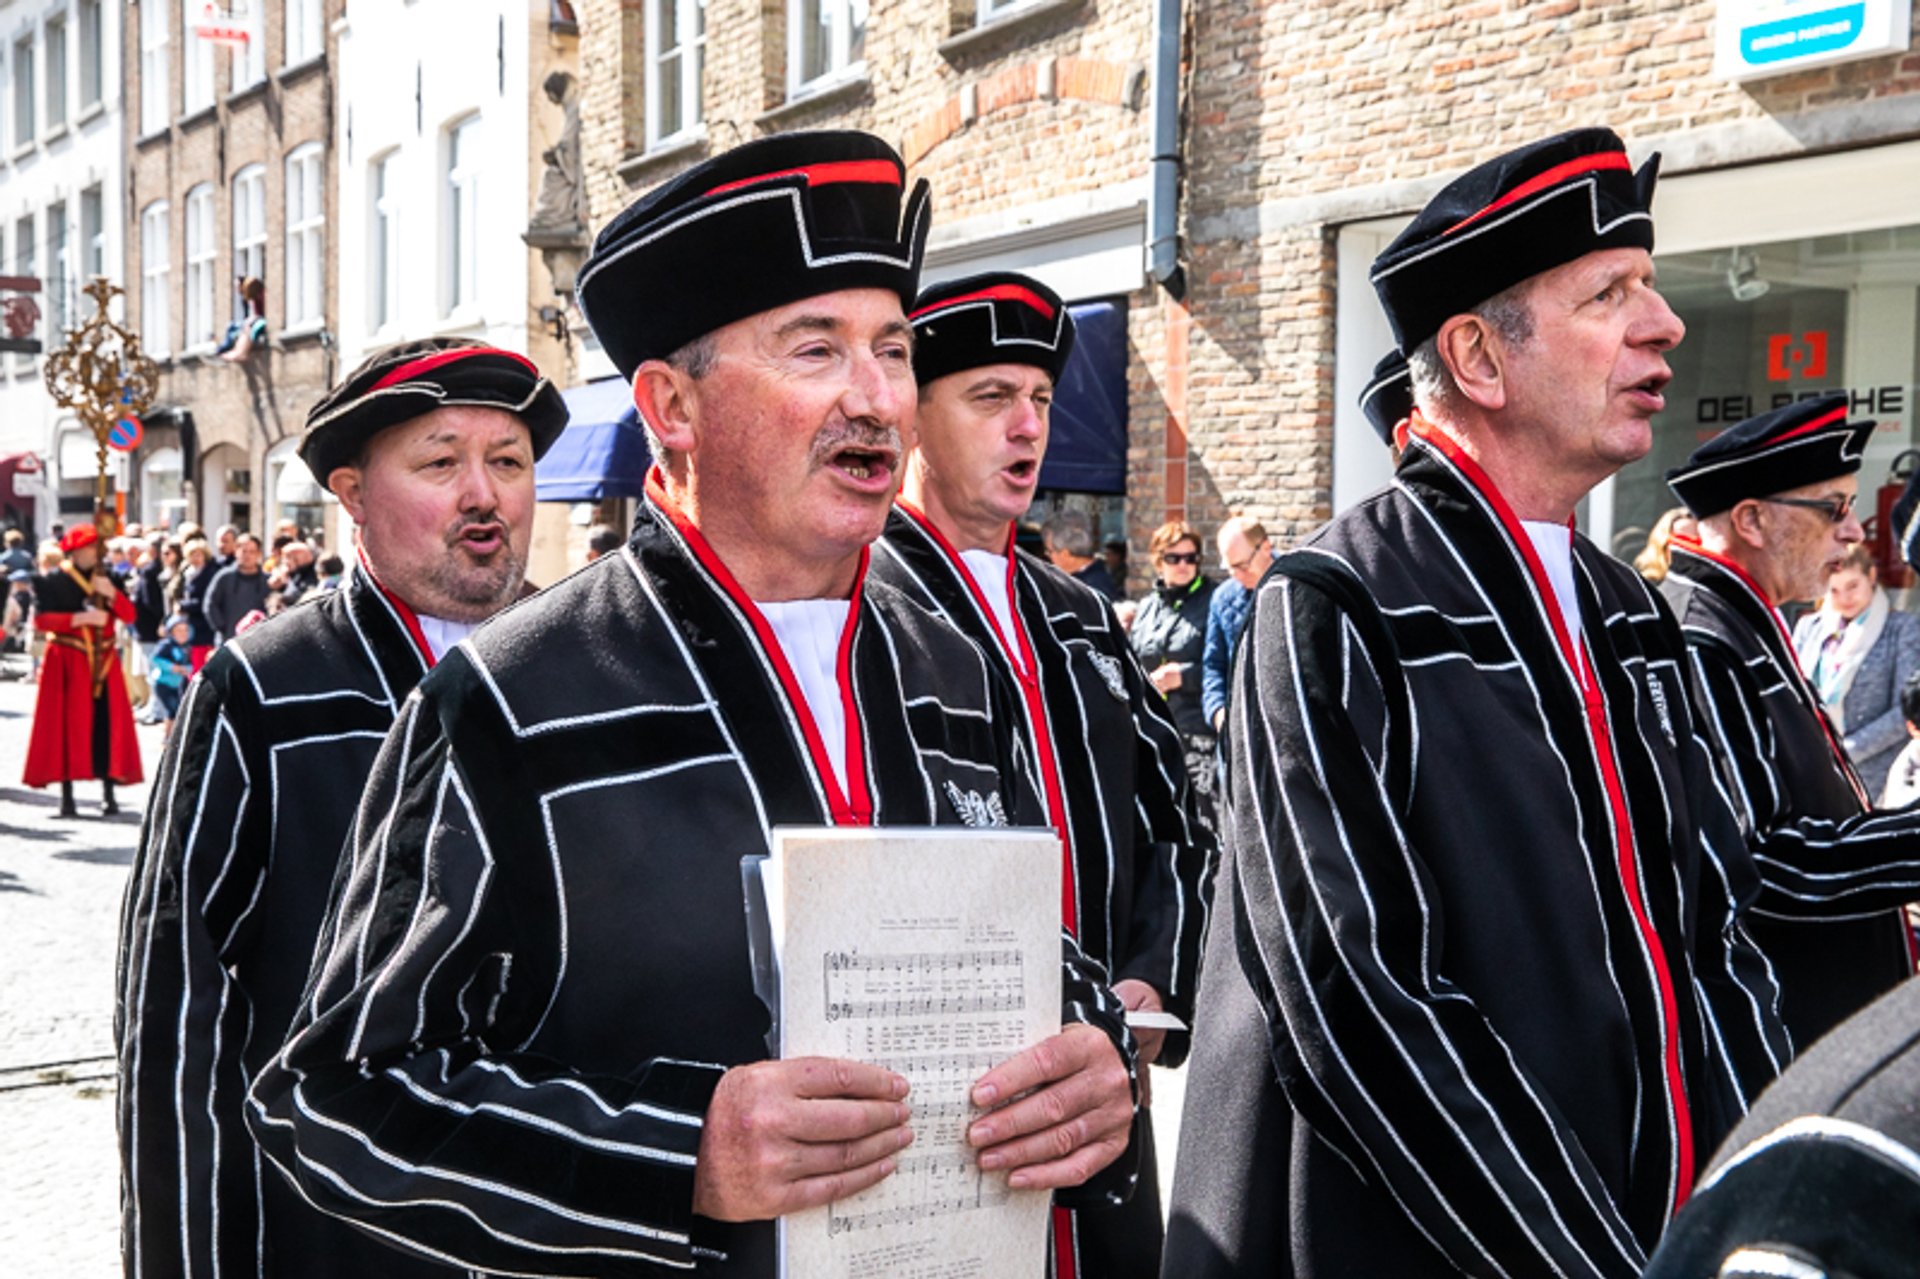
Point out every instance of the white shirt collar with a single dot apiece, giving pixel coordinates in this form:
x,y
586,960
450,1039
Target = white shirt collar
x,y
809,632
1553,543
441,635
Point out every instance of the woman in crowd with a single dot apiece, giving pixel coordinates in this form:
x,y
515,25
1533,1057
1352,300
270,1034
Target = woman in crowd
x,y
195,578
1858,651
1169,633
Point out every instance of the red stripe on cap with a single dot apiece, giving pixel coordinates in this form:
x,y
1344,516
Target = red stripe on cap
x,y
1807,428
428,363
997,293
1552,177
881,172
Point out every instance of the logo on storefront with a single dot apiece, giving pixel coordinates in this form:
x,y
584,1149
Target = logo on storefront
x,y
1789,358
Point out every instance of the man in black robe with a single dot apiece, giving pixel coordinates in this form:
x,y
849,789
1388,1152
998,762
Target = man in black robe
x,y
430,446
1488,991
1773,500
988,351
532,1043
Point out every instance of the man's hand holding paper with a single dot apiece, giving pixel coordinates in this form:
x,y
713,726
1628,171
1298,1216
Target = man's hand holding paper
x,y
1073,1121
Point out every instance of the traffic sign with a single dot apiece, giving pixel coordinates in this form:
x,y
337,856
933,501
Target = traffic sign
x,y
126,434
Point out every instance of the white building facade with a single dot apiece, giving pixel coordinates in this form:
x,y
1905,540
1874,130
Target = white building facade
x,y
62,219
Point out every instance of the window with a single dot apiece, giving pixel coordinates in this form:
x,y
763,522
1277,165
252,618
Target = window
x,y
153,67
60,292
23,90
676,57
249,230
156,321
249,64
303,31
991,9
826,42
462,214
93,53
306,235
93,232
196,88
24,261
383,243
56,70
200,257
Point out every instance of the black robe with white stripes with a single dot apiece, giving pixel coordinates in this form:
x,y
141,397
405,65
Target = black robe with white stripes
x,y
255,794
1115,781
1780,761
1486,898
538,969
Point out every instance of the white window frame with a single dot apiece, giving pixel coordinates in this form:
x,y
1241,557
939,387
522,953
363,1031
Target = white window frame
x,y
304,37
25,261
249,221
92,21
841,64
59,286
383,242
156,304
993,10
154,68
196,61
26,105
691,52
54,41
93,231
306,221
202,250
248,65
460,169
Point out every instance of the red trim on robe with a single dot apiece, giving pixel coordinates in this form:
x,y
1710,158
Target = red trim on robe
x,y
409,620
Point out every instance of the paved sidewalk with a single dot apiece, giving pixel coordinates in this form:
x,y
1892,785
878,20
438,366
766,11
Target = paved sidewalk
x,y
60,889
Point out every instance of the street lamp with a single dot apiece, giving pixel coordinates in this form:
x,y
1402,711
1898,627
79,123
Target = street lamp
x,y
102,376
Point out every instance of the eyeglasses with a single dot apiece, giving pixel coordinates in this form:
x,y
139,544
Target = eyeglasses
x,y
1240,566
1179,557
1836,509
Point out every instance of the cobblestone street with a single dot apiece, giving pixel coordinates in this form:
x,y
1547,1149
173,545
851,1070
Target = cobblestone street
x,y
60,888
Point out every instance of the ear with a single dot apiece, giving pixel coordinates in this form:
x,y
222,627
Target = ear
x,y
665,399
1746,524
348,485
1467,347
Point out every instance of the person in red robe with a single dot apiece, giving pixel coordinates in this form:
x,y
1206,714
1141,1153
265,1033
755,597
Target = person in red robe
x,y
82,722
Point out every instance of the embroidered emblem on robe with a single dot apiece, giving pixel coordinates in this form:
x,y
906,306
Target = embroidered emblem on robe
x,y
974,810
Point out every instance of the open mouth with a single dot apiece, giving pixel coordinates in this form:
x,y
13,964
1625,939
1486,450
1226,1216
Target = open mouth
x,y
1650,391
481,539
1025,471
866,466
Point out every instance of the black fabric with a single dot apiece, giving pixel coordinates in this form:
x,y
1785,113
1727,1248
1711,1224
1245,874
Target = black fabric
x,y
748,231
1826,1169
251,806
1388,398
1906,529
571,793
360,407
1519,214
1454,983
1787,448
1170,626
999,317
1829,920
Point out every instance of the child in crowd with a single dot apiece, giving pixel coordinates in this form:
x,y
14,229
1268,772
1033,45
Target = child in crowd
x,y
1903,781
172,664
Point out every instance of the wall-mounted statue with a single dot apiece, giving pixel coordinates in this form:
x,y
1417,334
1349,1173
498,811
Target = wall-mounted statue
x,y
560,212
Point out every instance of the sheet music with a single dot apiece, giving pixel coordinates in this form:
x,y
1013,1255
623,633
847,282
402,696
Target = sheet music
x,y
934,953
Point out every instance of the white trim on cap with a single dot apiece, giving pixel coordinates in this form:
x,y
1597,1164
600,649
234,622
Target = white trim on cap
x,y
1380,384
1449,241
1846,428
1823,1128
432,391
993,321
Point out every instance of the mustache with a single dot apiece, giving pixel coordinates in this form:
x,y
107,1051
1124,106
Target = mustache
x,y
856,435
470,524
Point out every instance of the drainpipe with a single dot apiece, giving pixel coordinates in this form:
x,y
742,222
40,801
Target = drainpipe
x,y
1163,197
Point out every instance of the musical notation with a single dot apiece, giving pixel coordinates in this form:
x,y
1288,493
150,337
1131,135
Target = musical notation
x,y
923,984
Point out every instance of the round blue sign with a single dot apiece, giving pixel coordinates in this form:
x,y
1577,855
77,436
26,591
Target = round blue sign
x,y
126,434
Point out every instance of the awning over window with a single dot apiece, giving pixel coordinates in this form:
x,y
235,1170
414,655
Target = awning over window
x,y
1087,447
603,452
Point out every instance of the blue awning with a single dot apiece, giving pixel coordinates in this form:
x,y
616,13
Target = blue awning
x,y
1087,446
603,452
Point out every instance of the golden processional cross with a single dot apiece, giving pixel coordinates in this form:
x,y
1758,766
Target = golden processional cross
x,y
103,377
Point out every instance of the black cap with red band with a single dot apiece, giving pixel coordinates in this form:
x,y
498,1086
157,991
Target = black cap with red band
x,y
997,318
1508,220
415,378
768,223
1788,448
1387,399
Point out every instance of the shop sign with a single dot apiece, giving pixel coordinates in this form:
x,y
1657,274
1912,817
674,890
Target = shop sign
x,y
1877,402
1757,38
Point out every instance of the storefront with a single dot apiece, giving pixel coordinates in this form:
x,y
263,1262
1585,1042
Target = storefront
x,y
1794,279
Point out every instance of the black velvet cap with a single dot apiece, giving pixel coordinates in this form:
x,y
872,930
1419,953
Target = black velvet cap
x,y
1388,398
1906,528
1792,446
771,222
415,378
996,318
1508,220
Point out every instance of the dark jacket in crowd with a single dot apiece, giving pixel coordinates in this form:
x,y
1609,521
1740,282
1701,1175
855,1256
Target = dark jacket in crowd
x,y
193,603
1171,626
1226,618
232,596
1095,575
299,581
149,603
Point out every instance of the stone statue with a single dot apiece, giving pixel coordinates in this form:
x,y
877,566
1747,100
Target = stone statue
x,y
560,212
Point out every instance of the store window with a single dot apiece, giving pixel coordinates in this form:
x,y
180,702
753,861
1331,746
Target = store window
x,y
1771,323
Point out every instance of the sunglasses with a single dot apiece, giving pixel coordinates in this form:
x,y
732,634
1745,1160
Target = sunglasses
x,y
1836,509
1180,557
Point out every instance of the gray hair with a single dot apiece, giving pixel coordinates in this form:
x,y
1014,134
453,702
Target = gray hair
x,y
696,359
1506,313
1072,532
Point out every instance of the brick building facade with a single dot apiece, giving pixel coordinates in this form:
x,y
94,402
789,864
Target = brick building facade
x,y
229,169
1307,134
